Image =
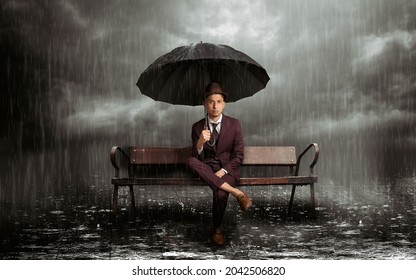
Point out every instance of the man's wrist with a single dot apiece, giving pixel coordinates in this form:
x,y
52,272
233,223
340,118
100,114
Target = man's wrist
x,y
199,150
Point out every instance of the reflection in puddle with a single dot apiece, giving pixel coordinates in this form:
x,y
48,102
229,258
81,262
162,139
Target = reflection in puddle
x,y
377,225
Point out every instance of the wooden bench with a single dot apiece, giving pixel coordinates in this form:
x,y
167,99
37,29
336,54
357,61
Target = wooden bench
x,y
166,166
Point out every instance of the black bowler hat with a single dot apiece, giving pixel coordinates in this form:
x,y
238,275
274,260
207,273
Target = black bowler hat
x,y
214,88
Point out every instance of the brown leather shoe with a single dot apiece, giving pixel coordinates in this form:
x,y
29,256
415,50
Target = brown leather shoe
x,y
218,238
244,201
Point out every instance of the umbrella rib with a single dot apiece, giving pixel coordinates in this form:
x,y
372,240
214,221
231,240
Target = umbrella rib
x,y
166,85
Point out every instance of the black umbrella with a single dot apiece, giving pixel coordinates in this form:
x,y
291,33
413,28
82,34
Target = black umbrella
x,y
180,76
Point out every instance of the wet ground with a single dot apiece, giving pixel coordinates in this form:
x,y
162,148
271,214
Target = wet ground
x,y
375,220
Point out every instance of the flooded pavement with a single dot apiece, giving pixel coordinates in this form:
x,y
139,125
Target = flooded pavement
x,y
372,221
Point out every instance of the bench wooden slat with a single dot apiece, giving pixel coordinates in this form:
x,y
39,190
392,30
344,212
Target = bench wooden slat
x,y
159,155
253,155
157,181
267,155
289,180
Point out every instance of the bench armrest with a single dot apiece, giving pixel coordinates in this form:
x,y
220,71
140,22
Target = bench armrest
x,y
316,148
113,152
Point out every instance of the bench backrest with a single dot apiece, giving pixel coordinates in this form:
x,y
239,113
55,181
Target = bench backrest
x,y
253,155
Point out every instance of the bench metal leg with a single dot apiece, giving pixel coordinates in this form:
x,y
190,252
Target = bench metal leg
x,y
312,186
291,199
313,202
115,198
133,205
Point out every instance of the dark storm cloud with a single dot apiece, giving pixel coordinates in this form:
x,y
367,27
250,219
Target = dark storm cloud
x,y
66,59
340,71
336,67
387,70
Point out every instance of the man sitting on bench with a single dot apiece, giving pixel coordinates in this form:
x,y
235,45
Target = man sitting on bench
x,y
218,152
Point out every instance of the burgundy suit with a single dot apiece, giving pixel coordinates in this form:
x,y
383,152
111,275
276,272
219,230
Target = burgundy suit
x,y
228,154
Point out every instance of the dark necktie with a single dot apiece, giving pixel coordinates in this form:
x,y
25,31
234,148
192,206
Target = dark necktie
x,y
215,133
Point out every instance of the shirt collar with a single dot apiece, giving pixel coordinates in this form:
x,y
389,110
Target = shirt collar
x,y
218,122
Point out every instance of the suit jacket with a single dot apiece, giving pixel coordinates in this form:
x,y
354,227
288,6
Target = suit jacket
x,y
230,146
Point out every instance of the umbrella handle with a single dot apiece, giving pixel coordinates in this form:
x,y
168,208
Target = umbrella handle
x,y
211,144
206,126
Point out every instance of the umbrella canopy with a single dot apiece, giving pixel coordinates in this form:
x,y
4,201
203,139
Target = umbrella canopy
x,y
180,76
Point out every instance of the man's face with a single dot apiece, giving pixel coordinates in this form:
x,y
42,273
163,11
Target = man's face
x,y
214,104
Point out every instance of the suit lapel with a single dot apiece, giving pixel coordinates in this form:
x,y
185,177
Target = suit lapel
x,y
223,131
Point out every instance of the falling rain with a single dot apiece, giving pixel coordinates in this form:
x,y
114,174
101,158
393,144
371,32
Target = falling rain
x,y
342,75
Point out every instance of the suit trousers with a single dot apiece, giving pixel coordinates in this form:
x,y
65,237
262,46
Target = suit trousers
x,y
206,171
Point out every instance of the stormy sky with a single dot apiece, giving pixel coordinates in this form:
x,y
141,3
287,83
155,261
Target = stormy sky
x,y
342,73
